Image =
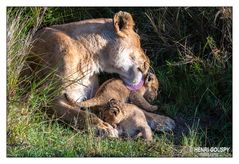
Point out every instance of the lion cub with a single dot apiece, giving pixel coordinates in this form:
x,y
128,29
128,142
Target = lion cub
x,y
117,89
128,119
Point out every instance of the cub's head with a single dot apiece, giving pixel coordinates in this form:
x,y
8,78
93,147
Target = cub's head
x,y
151,85
126,56
113,113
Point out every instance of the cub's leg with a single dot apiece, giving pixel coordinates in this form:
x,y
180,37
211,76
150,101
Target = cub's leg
x,y
140,101
159,123
81,119
146,133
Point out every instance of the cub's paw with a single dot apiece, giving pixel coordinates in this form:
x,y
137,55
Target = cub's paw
x,y
106,130
153,108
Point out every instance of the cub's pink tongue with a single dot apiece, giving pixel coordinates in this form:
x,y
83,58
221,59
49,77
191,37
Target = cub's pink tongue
x,y
134,86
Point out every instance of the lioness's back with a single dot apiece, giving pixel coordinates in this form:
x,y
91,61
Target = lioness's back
x,y
91,26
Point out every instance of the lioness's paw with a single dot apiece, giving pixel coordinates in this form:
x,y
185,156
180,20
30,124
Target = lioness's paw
x,y
106,130
169,125
162,124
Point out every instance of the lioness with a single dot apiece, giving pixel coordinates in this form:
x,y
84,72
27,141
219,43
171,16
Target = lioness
x,y
77,52
140,95
128,119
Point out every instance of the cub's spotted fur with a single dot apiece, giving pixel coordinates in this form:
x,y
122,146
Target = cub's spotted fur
x,y
128,119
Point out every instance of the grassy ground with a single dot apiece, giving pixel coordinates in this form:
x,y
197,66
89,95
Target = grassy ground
x,y
191,52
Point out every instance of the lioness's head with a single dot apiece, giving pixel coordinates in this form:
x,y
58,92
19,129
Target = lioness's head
x,y
126,55
151,85
113,113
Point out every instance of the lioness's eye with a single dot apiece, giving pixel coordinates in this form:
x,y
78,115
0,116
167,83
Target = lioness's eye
x,y
132,57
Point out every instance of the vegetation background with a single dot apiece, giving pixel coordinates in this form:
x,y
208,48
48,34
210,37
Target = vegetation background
x,y
190,51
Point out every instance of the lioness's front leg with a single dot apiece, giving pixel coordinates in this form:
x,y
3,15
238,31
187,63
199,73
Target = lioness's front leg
x,y
159,123
82,119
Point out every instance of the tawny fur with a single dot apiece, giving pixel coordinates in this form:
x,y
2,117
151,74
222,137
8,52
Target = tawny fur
x,y
128,119
116,89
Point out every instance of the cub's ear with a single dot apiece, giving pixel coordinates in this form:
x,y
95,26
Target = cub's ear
x,y
123,23
149,77
114,111
112,102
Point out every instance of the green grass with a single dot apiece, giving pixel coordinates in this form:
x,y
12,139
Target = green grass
x,y
191,53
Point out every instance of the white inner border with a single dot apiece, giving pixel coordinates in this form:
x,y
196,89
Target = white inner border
x,y
104,3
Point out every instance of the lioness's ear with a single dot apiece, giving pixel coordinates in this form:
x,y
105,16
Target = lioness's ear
x,y
123,23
